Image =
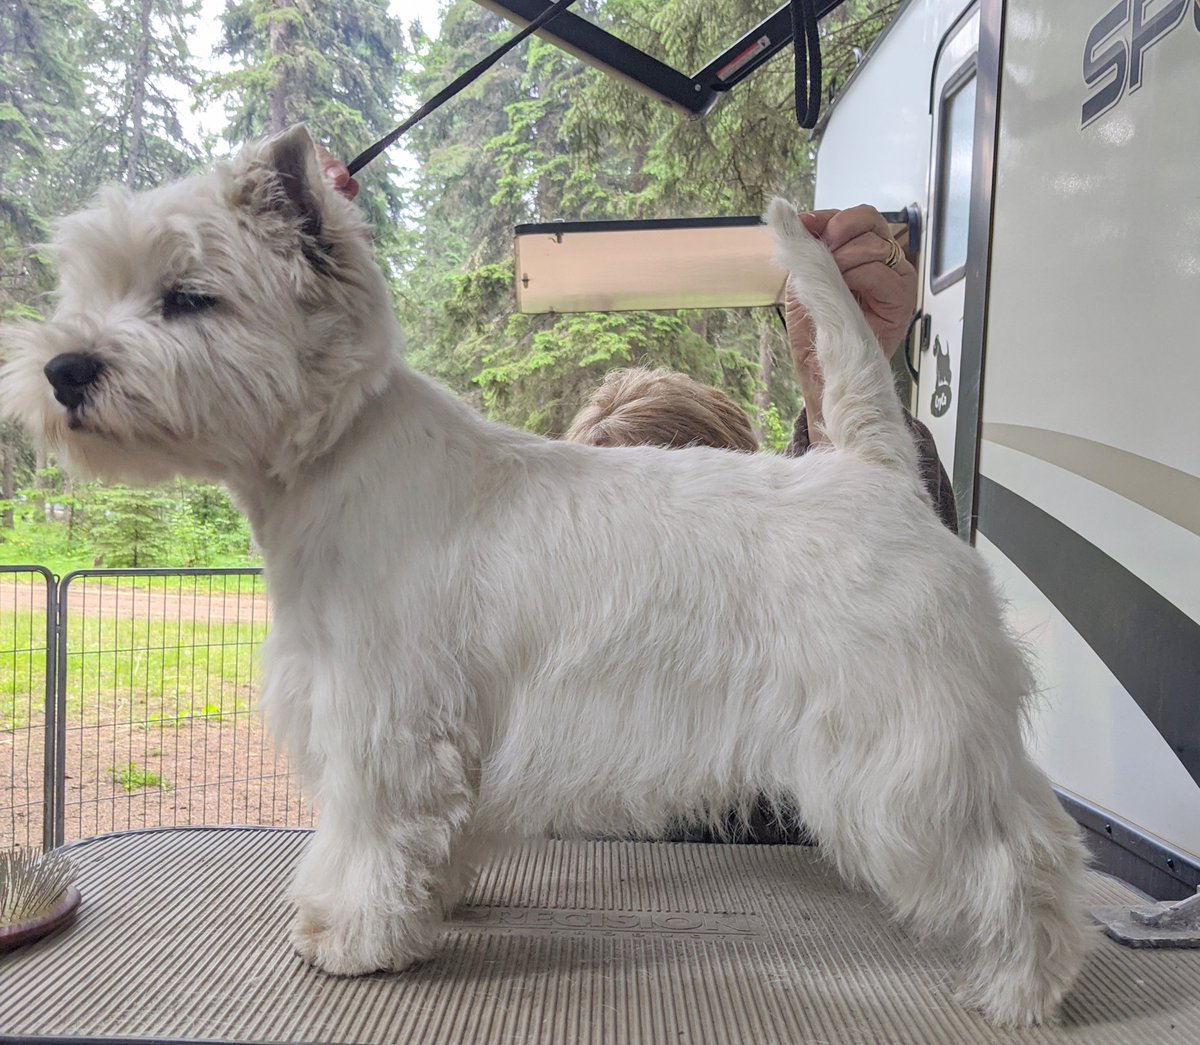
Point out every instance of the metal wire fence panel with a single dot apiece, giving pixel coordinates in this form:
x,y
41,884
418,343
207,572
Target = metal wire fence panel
x,y
157,679
26,676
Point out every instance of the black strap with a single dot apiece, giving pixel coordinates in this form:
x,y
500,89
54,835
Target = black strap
x,y
807,44
446,93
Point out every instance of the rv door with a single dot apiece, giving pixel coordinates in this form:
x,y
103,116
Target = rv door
x,y
945,256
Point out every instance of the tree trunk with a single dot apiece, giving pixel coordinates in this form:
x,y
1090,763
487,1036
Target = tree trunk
x,y
39,484
69,494
277,118
7,488
138,75
766,360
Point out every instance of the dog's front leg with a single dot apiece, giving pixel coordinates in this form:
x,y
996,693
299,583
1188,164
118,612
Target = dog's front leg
x,y
369,890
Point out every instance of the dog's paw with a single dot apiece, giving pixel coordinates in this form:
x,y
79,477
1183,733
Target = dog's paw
x,y
1011,1005
359,942
1012,993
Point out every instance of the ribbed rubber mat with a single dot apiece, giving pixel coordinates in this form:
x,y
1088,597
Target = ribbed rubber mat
x,y
183,935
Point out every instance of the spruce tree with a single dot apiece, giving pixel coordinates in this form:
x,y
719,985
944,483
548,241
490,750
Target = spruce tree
x,y
334,66
41,101
141,64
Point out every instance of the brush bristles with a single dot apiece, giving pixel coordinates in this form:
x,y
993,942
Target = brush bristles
x,y
31,884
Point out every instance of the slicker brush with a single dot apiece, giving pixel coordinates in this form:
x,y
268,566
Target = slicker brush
x,y
36,895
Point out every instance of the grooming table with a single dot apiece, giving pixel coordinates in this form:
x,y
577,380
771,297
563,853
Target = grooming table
x,y
182,935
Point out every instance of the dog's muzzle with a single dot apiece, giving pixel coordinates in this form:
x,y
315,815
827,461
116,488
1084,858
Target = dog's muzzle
x,y
71,375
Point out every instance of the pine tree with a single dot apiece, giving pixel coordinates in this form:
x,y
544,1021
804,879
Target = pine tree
x,y
459,212
334,66
41,98
140,63
41,102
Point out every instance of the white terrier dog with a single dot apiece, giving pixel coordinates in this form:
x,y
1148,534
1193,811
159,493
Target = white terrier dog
x,y
479,632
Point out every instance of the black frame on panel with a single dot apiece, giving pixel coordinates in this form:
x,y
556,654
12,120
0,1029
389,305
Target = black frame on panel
x,y
938,280
694,95
989,63
910,218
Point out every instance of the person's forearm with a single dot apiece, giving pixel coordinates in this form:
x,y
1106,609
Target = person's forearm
x,y
811,388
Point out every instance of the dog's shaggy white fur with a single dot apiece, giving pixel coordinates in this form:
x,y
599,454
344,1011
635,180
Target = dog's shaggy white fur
x,y
479,632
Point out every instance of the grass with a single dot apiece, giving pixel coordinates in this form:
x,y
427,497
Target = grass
x,y
46,545
22,664
159,672
133,779
157,653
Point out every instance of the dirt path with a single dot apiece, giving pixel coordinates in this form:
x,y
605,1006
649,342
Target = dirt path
x,y
118,597
195,773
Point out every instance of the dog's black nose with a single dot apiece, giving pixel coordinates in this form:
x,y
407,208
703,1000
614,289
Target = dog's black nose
x,y
71,374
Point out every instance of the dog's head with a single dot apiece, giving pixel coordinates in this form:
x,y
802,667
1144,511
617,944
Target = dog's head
x,y
227,323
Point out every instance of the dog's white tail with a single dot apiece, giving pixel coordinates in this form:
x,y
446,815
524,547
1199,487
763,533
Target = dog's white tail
x,y
862,413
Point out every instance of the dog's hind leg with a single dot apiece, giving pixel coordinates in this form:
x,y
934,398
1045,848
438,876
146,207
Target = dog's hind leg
x,y
962,837
471,849
370,890
1022,905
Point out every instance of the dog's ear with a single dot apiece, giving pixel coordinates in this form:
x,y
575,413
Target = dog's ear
x,y
292,188
292,155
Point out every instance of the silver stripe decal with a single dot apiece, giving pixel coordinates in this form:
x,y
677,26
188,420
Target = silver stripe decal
x,y
1161,489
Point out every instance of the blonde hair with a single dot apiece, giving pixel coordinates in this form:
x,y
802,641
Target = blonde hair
x,y
639,407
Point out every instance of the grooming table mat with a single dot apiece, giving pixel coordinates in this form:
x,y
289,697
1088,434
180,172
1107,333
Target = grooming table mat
x,y
182,935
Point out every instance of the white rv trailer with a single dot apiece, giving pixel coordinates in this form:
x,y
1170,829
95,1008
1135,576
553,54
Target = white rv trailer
x,y
1045,155
1055,373
1053,148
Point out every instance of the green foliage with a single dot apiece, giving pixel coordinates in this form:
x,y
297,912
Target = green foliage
x,y
775,434
52,545
131,778
206,529
137,137
543,137
42,108
542,374
87,95
334,66
128,527
71,527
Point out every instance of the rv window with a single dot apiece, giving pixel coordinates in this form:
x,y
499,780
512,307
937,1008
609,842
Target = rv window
x,y
953,200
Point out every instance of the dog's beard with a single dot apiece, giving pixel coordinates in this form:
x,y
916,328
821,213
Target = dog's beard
x,y
90,451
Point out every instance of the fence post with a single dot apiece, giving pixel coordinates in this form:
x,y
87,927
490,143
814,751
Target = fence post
x,y
53,781
59,779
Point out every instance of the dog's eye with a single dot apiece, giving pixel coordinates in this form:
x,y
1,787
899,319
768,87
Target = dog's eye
x,y
179,302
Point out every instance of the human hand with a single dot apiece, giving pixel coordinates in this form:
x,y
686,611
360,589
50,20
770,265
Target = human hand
x,y
335,172
860,241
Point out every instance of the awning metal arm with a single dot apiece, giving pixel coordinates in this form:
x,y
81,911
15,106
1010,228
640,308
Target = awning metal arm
x,y
693,95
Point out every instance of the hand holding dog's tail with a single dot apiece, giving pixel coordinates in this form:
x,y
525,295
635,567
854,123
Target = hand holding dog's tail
x,y
862,413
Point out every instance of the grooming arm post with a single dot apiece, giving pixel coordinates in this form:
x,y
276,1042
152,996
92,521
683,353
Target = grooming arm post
x,y
1154,925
